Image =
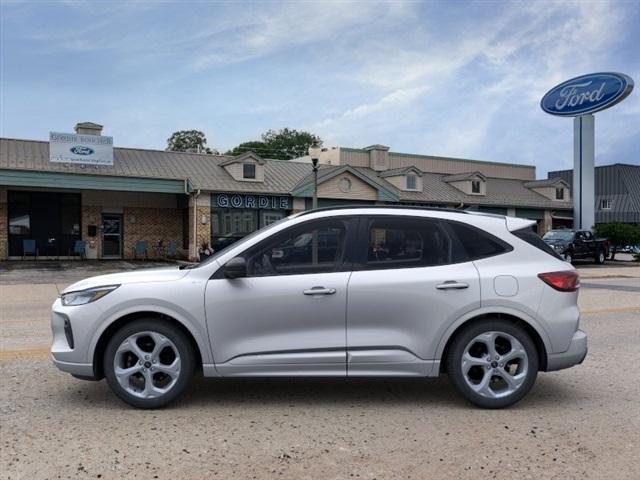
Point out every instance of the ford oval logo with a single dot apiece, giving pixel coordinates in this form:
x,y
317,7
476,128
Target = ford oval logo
x,y
587,94
79,150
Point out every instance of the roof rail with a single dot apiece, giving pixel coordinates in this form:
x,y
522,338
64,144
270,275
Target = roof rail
x,y
396,207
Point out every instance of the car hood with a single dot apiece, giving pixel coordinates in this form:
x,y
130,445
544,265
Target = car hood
x,y
139,276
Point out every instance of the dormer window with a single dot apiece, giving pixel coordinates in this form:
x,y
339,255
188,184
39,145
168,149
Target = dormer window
x,y
475,186
249,171
411,182
560,193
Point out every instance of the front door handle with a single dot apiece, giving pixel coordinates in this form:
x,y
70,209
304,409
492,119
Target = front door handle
x,y
319,291
452,285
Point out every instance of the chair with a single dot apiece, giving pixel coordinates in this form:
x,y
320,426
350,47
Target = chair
x,y
172,249
141,248
78,249
29,248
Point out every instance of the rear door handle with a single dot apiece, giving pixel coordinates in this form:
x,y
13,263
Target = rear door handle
x,y
452,285
319,291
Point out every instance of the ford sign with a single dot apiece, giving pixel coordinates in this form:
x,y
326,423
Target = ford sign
x,y
587,94
79,150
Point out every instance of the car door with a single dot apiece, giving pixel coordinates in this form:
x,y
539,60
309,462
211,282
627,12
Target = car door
x,y
411,280
287,316
580,247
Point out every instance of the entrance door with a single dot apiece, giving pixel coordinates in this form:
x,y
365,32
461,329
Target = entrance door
x,y
111,235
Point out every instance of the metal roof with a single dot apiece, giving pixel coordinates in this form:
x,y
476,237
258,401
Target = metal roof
x,y
281,177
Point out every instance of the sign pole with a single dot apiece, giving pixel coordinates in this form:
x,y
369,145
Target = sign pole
x,y
583,172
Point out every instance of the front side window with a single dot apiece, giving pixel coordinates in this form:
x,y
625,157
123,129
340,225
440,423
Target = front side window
x,y
411,182
249,170
408,243
314,248
475,186
559,193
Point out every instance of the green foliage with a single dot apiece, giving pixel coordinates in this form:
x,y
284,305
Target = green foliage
x,y
283,144
255,146
619,234
188,141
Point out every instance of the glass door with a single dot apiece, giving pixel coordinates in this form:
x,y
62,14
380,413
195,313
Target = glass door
x,y
111,235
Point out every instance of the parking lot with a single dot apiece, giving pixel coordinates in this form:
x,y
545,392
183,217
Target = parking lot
x,y
578,423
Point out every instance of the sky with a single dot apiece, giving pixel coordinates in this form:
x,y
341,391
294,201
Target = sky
x,y
446,78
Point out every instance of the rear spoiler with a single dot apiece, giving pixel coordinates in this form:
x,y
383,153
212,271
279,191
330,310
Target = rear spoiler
x,y
514,223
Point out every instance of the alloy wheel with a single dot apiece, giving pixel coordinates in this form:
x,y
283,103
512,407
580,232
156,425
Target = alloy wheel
x,y
147,364
494,364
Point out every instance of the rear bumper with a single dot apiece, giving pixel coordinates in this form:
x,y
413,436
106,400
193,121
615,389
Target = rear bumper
x,y
574,355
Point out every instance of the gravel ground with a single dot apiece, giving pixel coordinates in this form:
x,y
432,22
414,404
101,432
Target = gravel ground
x,y
578,423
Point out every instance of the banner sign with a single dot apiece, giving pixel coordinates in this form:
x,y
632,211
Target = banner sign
x,y
239,200
80,149
587,94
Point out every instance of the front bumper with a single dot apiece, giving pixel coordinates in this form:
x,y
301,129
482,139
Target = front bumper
x,y
70,328
574,355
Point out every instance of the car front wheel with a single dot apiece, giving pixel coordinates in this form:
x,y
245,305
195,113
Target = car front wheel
x,y
149,363
493,363
600,257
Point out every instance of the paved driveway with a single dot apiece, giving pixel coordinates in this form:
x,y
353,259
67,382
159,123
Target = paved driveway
x,y
575,424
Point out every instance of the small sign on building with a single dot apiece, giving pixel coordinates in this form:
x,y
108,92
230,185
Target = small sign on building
x,y
80,149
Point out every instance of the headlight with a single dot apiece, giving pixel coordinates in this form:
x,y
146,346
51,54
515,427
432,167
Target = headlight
x,y
83,297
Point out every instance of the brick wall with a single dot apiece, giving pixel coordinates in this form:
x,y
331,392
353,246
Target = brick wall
x,y
152,225
91,215
202,230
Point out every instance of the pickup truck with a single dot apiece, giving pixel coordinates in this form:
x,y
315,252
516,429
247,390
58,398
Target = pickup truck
x,y
577,244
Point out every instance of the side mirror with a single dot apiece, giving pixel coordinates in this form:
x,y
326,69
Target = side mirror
x,y
235,268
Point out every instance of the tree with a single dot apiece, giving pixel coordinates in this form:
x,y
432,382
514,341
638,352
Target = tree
x,y
255,146
283,144
619,234
188,141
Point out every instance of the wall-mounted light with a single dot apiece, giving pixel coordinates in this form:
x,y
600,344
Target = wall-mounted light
x,y
203,219
132,219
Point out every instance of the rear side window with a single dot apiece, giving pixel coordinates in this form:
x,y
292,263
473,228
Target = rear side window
x,y
478,243
532,238
408,243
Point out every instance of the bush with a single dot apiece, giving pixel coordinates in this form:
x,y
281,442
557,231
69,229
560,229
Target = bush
x,y
619,234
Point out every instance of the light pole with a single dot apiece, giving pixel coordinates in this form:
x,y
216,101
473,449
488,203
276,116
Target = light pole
x,y
314,153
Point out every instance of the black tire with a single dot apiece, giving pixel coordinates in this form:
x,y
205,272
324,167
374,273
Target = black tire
x,y
182,344
600,257
456,351
568,257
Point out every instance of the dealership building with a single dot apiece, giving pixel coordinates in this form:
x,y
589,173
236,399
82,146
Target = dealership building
x,y
78,187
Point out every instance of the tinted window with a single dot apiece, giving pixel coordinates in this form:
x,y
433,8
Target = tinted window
x,y
315,248
407,243
532,238
478,243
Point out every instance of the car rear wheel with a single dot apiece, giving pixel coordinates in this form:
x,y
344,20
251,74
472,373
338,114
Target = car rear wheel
x,y
567,257
149,363
600,257
493,363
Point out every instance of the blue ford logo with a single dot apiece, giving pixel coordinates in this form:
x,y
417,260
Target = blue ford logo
x,y
78,150
587,94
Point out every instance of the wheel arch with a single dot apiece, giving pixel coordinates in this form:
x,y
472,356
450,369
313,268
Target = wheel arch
x,y
533,332
125,319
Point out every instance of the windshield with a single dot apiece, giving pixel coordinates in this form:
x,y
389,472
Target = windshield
x,y
236,244
559,235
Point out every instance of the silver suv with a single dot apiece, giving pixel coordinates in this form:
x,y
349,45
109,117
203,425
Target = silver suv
x,y
342,292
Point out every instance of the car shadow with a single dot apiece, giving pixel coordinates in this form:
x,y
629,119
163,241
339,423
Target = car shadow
x,y
322,393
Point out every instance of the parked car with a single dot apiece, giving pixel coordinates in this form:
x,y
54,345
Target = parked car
x,y
577,244
405,293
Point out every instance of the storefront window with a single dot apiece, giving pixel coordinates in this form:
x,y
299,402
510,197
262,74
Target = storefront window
x,y
19,214
70,214
231,224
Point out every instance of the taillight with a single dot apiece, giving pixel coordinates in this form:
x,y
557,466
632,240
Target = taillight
x,y
567,281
